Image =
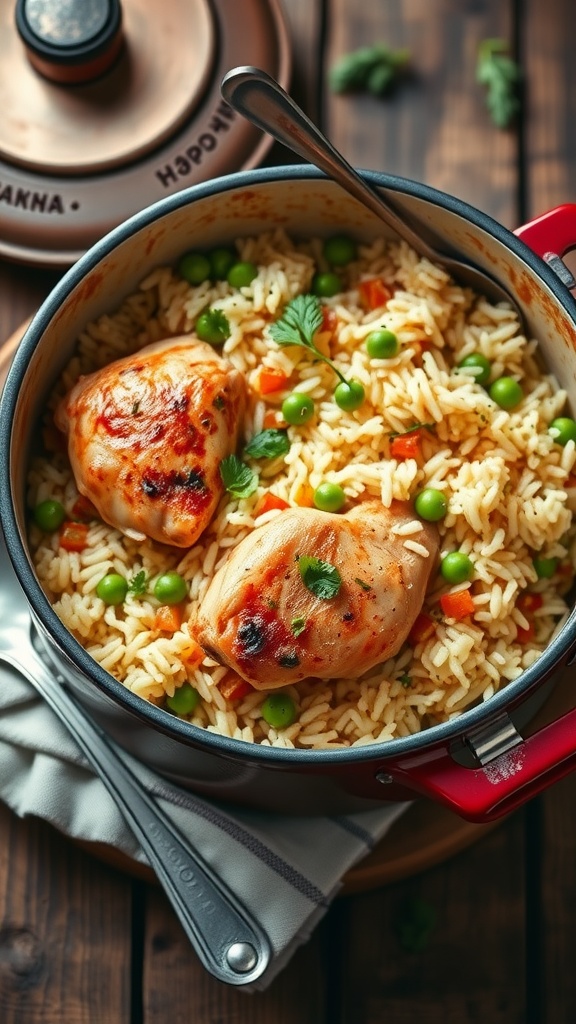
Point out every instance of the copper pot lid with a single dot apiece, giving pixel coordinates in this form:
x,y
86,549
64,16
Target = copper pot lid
x,y
110,105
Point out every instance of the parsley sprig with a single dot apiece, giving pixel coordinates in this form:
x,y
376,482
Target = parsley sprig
x,y
321,578
374,69
138,584
501,75
268,444
238,479
297,326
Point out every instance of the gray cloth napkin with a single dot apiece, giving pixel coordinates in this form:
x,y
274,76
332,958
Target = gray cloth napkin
x,y
286,870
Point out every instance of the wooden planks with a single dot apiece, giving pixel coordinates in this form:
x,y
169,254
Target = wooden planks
x,y
65,931
435,128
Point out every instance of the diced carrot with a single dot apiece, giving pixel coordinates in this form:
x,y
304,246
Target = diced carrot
x,y
269,501
273,419
423,629
83,509
305,496
457,606
329,319
270,380
374,293
192,656
73,536
233,687
406,446
168,618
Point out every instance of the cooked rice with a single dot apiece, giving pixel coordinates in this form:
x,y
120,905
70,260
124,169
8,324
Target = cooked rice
x,y
507,484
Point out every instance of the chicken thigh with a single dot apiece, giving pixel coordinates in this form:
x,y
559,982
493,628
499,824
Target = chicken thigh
x,y
316,594
147,433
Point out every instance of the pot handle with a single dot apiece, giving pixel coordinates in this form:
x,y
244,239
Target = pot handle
x,y
503,784
552,234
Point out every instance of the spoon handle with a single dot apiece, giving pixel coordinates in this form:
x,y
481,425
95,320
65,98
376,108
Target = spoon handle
x,y
229,943
259,98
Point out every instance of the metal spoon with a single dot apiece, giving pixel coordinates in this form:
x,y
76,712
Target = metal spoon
x,y
227,939
260,99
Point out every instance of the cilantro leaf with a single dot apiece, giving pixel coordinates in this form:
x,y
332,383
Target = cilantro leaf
x,y
375,69
501,75
299,322
321,578
138,583
237,477
268,444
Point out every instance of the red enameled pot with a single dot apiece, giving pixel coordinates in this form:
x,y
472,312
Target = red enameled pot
x,y
478,764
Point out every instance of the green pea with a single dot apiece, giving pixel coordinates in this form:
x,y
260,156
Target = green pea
x,y
112,589
326,285
329,497
221,260
340,250
479,366
431,505
563,430
382,344
194,267
170,588
297,408
545,567
349,395
49,515
456,567
506,392
212,326
184,700
241,274
278,710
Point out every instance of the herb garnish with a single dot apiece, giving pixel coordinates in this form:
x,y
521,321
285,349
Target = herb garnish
x,y
138,584
362,583
238,478
417,426
321,578
268,444
375,69
297,326
298,625
501,75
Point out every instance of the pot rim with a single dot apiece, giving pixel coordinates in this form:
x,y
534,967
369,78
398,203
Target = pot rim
x,y
558,649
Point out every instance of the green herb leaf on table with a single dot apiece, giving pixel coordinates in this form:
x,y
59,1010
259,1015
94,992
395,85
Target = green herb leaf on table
x,y
501,75
268,444
321,578
238,479
374,69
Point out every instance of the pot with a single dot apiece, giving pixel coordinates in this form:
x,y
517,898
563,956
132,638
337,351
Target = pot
x,y
478,764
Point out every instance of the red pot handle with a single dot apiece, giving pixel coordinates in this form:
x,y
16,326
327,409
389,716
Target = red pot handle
x,y
483,794
553,233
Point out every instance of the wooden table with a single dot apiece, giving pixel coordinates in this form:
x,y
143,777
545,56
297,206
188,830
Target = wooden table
x,y
83,942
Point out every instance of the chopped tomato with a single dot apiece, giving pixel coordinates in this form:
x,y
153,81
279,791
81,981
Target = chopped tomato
x,y
270,380
407,446
73,536
168,618
423,629
528,602
83,509
457,606
233,687
524,636
269,501
374,293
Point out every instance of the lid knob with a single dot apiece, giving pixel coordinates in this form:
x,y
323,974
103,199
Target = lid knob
x,y
70,41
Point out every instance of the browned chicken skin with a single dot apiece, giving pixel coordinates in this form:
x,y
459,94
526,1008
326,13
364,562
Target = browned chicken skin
x,y
260,618
147,433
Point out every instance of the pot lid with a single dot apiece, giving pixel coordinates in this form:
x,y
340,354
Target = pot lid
x,y
110,105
